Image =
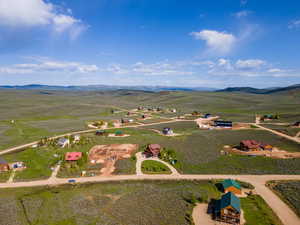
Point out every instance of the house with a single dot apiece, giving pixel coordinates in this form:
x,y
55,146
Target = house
x,y
18,166
4,166
297,124
140,108
119,133
173,110
77,138
152,150
228,209
124,120
230,185
223,124
167,131
269,117
253,145
63,142
73,156
100,132
207,115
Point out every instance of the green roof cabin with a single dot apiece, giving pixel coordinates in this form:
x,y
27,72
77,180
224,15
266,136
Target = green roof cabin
x,y
228,209
230,185
118,133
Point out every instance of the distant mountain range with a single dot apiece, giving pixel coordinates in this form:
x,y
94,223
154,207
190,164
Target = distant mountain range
x,y
273,90
290,89
104,88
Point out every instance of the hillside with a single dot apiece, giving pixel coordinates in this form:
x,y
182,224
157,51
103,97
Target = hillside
x,y
281,90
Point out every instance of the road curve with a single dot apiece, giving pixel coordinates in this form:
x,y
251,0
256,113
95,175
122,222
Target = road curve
x,y
286,215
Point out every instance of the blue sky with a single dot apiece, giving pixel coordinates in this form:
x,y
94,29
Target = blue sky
x,y
216,43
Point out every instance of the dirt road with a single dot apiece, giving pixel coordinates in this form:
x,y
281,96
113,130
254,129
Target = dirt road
x,y
287,216
279,133
20,147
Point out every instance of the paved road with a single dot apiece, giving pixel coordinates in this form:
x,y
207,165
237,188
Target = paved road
x,y
287,216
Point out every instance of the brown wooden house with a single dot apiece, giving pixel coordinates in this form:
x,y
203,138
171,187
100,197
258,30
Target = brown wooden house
x,y
252,145
152,150
228,209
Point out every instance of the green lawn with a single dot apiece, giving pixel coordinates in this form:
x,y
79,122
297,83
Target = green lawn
x,y
154,167
256,211
38,162
288,191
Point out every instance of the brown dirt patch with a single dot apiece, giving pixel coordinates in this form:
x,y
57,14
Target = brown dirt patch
x,y
108,155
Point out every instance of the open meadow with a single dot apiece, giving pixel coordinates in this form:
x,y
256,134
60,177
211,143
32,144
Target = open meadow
x,y
159,203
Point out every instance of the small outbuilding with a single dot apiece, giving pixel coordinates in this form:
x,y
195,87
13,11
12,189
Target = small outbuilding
x,y
207,115
73,156
167,131
100,133
119,133
4,166
63,142
228,209
152,150
230,185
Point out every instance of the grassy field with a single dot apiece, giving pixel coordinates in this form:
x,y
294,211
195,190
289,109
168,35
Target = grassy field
x,y
130,203
39,113
257,211
154,167
288,191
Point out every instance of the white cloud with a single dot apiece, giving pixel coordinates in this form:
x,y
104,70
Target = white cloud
x,y
250,64
274,70
217,42
294,24
32,13
50,66
243,13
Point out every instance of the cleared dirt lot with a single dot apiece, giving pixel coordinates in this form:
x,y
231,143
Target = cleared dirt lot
x,y
109,154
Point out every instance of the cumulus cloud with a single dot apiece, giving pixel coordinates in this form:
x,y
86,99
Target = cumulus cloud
x,y
33,13
294,24
250,64
49,66
217,42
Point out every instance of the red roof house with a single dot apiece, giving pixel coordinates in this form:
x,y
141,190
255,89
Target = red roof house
x,y
252,145
73,156
152,150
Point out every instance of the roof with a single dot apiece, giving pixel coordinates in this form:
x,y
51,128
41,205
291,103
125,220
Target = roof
x,y
254,144
228,199
229,183
62,140
73,156
167,128
2,161
154,146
